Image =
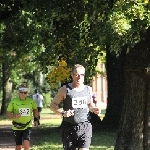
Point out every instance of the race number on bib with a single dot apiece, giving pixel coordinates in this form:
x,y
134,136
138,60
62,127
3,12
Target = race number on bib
x,y
79,102
24,111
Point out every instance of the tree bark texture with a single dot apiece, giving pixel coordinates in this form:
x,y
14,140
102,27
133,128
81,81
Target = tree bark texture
x,y
134,129
7,87
116,82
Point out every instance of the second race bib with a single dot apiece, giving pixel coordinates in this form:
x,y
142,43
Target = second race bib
x,y
24,111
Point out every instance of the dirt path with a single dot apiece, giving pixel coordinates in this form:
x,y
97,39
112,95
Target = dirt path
x,y
6,135
6,138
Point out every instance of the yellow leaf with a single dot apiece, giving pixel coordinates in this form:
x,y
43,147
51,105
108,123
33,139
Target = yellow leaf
x,y
146,1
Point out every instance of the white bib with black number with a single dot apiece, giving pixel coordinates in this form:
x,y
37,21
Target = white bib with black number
x,y
79,102
24,111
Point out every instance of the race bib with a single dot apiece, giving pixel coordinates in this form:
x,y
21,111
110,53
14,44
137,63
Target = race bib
x,y
24,111
79,102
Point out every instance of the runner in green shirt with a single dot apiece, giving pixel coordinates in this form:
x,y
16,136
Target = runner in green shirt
x,y
21,110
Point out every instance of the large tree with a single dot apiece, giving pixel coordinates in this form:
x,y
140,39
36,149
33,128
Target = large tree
x,y
134,132
118,25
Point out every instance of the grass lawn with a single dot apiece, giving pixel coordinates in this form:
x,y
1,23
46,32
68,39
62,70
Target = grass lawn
x,y
48,136
101,140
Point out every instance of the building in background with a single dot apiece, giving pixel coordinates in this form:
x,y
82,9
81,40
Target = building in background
x,y
99,84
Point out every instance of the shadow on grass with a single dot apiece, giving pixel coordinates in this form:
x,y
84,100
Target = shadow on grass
x,y
46,137
49,138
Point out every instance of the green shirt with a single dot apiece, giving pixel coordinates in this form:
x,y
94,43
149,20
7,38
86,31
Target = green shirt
x,y
25,108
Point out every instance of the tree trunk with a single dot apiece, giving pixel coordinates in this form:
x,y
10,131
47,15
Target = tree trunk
x,y
7,87
116,81
133,131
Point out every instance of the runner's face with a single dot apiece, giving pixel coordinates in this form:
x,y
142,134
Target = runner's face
x,y
78,75
22,95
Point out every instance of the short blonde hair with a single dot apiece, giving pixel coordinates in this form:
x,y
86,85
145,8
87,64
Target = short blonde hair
x,y
77,66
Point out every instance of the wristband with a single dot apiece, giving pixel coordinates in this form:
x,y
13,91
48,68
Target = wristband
x,y
36,119
62,113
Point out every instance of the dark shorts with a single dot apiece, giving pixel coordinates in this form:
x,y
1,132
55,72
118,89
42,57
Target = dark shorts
x,y
76,136
21,135
39,109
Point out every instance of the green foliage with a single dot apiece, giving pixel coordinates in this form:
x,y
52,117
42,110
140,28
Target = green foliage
x,y
127,20
37,33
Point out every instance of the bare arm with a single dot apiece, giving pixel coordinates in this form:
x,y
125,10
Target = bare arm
x,y
10,115
43,98
35,113
91,105
92,108
57,99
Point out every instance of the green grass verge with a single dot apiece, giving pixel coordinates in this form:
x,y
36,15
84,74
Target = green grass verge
x,y
101,140
48,137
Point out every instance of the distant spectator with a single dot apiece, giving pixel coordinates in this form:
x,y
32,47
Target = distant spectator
x,y
39,100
